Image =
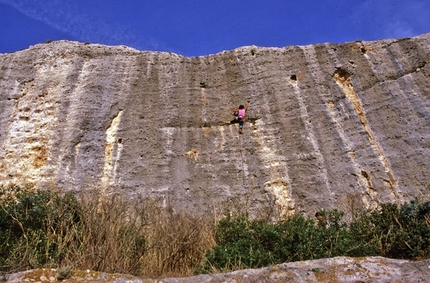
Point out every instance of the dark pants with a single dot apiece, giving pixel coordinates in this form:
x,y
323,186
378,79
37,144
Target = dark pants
x,y
237,120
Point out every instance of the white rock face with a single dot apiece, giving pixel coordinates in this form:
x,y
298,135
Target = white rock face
x,y
329,126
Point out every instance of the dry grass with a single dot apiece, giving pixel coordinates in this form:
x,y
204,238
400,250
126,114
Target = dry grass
x,y
141,238
114,235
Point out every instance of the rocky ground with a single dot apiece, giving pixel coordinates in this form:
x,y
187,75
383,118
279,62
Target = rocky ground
x,y
339,269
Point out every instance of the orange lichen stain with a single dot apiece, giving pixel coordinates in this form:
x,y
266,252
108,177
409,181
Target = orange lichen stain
x,y
112,146
206,131
203,99
284,202
193,154
50,275
31,139
39,156
38,275
326,276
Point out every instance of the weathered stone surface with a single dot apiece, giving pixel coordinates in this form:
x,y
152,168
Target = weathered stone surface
x,y
339,269
51,275
329,126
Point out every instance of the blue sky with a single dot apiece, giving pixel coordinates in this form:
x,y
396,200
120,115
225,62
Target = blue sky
x,y
202,27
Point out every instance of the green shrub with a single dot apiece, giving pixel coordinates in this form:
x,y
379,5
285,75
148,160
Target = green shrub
x,y
33,225
393,231
111,234
245,243
241,243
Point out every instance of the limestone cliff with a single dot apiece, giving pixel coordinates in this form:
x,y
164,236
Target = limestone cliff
x,y
329,125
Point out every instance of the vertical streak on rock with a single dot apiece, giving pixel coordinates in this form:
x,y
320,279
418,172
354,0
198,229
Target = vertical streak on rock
x,y
237,157
343,80
202,90
222,141
167,138
77,152
113,150
70,168
403,84
311,136
265,136
316,72
166,143
204,120
203,99
280,183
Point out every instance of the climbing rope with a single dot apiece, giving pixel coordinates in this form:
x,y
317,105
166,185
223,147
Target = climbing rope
x,y
243,166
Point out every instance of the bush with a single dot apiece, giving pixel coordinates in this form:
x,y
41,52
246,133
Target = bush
x,y
98,232
34,226
245,243
107,233
393,231
241,243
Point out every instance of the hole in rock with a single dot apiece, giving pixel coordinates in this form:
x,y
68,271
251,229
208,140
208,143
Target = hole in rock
x,y
342,74
365,175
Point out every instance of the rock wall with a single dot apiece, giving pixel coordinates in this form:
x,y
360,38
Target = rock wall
x,y
329,125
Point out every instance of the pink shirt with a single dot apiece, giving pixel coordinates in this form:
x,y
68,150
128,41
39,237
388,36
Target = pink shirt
x,y
241,113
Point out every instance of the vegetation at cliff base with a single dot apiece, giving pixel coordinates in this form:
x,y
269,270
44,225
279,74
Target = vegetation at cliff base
x,y
401,232
96,231
104,232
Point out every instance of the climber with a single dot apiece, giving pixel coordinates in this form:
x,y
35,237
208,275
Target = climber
x,y
239,114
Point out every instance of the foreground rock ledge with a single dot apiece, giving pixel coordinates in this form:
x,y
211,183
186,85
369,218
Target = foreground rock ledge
x,y
339,269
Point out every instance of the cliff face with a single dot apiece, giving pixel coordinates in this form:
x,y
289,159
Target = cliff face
x,y
329,125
